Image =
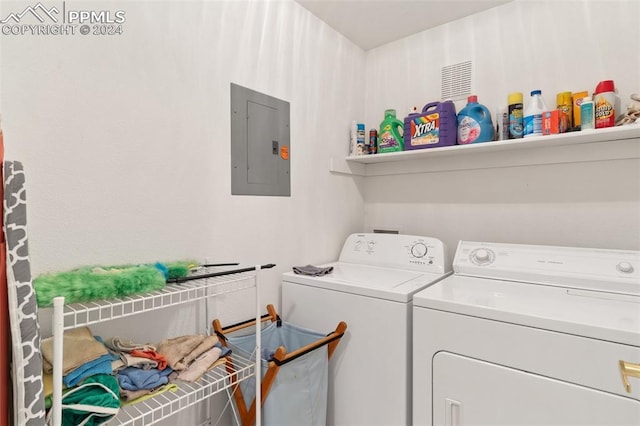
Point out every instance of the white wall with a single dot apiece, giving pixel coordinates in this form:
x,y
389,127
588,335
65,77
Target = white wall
x,y
126,139
126,144
549,45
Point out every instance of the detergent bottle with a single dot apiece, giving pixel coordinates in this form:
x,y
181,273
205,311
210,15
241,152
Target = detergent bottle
x,y
533,115
606,104
390,137
474,123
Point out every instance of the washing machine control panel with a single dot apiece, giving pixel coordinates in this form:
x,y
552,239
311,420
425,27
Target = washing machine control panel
x,y
614,271
396,251
419,250
482,256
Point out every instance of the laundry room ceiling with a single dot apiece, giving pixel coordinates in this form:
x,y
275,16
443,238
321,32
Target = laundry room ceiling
x,y
372,23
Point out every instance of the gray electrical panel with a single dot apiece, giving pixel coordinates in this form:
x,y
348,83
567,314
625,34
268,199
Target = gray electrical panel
x,y
259,144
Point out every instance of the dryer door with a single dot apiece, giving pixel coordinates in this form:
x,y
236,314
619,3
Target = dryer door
x,y
467,391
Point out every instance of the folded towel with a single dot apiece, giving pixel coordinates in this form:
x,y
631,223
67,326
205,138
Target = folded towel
x,y
127,360
152,355
207,343
177,348
117,344
101,365
314,271
200,365
133,397
127,395
132,378
47,384
80,347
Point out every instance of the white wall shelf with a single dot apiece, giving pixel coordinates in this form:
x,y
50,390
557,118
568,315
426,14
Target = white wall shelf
x,y
595,145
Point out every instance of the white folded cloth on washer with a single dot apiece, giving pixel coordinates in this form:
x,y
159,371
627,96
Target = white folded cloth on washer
x,y
314,271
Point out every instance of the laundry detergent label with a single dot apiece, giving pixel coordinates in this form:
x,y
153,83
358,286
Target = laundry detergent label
x,y
468,130
533,125
425,130
604,112
515,121
386,138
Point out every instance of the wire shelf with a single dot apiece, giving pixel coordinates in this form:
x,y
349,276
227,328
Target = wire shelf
x,y
86,313
168,403
205,283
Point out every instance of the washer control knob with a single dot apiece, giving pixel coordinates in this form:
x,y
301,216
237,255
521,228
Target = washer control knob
x,y
419,250
625,267
482,256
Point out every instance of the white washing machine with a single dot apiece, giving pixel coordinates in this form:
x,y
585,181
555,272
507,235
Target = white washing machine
x,y
370,288
529,335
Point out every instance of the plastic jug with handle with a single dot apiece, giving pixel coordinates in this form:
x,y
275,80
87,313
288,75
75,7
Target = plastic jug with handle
x,y
474,123
436,126
390,136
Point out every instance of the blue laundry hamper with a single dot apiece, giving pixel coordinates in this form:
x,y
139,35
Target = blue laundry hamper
x,y
295,371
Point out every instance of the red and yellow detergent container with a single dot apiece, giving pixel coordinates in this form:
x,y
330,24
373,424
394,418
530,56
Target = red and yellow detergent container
x,y
436,126
606,104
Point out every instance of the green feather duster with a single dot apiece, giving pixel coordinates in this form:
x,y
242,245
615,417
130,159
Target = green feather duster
x,y
99,282
179,269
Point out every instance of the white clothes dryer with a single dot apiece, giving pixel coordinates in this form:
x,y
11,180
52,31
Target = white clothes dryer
x,y
370,288
529,335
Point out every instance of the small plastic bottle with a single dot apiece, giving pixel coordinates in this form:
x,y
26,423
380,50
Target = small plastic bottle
x,y
587,114
533,115
353,138
502,124
373,141
515,115
360,140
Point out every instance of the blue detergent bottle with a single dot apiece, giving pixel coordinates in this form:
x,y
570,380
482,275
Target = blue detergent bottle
x,y
474,123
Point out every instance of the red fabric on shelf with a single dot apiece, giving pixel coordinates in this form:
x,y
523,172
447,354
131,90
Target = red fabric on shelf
x,y
162,361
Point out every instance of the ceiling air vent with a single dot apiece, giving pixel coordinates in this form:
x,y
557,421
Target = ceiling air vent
x,y
456,81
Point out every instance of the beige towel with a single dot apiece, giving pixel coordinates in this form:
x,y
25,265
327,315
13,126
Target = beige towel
x,y
79,348
200,365
119,345
47,384
206,344
175,349
127,360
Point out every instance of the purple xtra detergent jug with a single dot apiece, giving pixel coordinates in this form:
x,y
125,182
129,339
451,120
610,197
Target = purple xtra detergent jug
x,y
435,126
